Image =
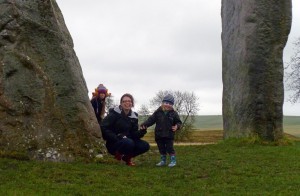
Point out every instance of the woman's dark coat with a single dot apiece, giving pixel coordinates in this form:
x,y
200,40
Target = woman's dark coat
x,y
116,125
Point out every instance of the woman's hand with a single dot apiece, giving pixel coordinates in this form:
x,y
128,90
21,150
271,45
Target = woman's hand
x,y
121,136
143,127
174,128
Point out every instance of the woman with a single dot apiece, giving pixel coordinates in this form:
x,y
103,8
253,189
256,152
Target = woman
x,y
120,130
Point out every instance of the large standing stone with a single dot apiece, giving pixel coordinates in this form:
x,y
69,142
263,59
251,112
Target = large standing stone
x,y
45,111
254,33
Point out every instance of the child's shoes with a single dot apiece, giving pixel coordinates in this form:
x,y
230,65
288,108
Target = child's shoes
x,y
173,161
163,161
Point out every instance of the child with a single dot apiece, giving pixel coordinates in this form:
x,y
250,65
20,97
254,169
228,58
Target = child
x,y
167,122
98,101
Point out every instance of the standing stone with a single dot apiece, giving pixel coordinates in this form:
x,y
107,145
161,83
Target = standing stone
x,y
45,111
254,33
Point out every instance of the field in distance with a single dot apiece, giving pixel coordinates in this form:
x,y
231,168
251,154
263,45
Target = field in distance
x,y
209,129
215,122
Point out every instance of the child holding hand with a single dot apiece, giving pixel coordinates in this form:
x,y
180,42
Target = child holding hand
x,y
167,122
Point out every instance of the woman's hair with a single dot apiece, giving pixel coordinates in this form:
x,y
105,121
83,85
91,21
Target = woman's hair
x,y
130,97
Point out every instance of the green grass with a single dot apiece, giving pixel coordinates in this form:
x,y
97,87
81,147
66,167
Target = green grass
x,y
209,122
227,168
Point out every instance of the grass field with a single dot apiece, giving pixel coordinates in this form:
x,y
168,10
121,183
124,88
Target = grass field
x,y
291,124
231,167
211,122
215,122
227,168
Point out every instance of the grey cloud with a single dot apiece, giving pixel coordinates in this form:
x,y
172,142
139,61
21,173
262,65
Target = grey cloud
x,y
142,47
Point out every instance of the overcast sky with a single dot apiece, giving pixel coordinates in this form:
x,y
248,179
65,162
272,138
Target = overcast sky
x,y
142,47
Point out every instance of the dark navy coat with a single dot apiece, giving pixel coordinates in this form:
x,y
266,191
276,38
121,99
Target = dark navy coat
x,y
116,125
163,123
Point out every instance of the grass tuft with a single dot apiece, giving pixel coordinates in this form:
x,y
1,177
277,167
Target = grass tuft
x,y
14,155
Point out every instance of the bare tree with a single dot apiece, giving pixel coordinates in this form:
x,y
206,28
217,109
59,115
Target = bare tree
x,y
293,77
186,104
143,112
110,103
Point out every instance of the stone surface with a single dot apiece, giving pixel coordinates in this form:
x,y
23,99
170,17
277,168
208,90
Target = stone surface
x,y
45,111
254,34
